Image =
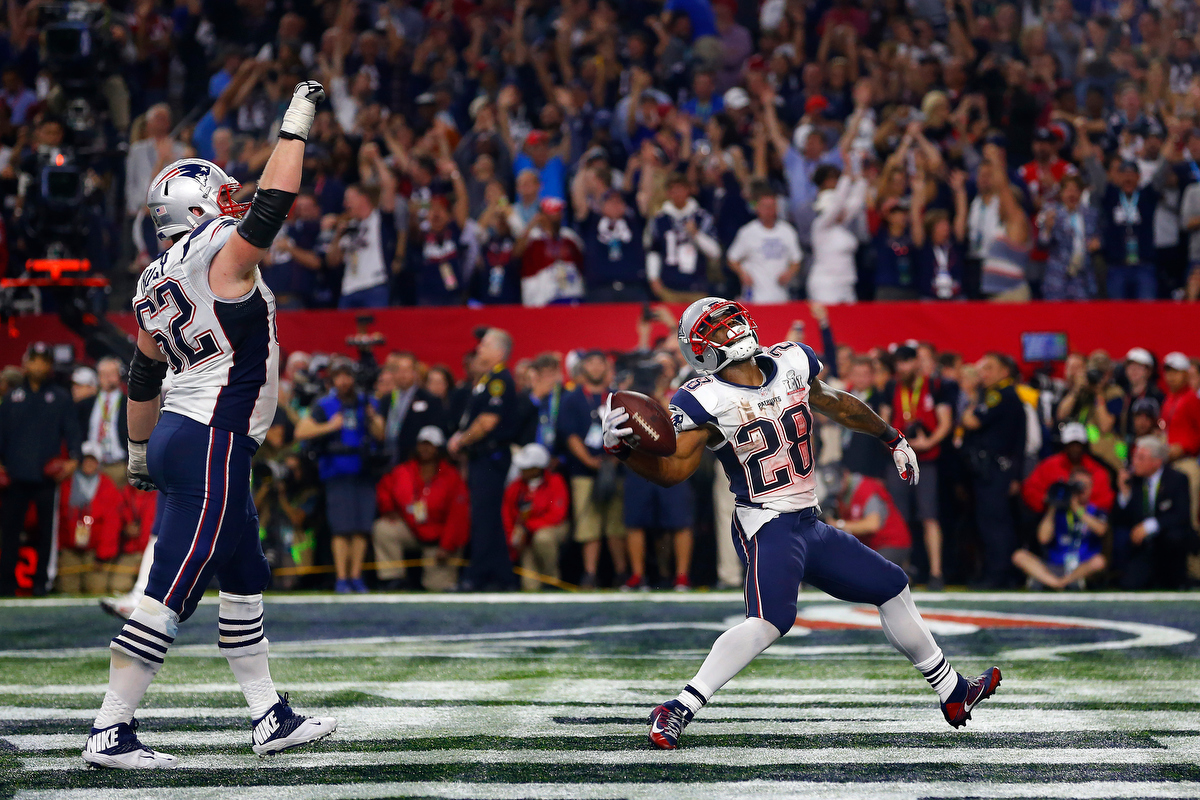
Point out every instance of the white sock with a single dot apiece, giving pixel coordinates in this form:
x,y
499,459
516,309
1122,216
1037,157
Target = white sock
x,y
240,623
908,633
733,650
143,577
137,655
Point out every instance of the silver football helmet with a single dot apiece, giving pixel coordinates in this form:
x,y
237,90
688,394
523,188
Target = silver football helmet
x,y
189,192
700,323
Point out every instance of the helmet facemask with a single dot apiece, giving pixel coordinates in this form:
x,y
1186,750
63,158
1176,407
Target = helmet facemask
x,y
741,339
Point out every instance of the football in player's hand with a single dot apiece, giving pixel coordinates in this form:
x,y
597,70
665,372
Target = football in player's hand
x,y
650,422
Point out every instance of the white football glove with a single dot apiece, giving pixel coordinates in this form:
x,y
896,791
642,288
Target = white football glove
x,y
139,473
905,459
616,436
299,116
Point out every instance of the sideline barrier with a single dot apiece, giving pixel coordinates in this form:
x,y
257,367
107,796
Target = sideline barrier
x,y
442,335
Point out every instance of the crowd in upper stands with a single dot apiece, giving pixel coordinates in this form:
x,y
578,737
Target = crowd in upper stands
x,y
596,150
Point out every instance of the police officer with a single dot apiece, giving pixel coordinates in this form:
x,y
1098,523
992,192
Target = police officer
x,y
995,446
486,433
36,419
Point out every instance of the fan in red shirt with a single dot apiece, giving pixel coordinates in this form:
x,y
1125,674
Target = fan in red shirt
x,y
92,515
1044,174
865,509
535,510
423,504
551,258
1059,467
1181,413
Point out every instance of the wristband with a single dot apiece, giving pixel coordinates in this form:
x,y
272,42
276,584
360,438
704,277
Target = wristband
x,y
622,451
890,436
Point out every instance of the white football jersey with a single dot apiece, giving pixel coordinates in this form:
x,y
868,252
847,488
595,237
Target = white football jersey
x,y
224,353
765,430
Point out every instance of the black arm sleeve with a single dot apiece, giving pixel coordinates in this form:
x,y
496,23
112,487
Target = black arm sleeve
x,y
145,377
268,211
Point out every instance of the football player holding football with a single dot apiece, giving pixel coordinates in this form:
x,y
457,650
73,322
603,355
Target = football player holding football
x,y
753,407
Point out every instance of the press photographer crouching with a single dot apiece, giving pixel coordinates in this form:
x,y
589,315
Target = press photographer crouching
x,y
1070,537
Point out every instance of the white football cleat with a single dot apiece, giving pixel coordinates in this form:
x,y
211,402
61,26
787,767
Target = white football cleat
x,y
117,747
282,729
121,605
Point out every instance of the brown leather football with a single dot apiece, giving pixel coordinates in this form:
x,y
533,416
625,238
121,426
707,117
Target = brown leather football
x,y
650,422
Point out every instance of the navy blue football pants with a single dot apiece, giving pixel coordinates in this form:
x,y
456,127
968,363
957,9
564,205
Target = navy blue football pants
x,y
207,523
797,547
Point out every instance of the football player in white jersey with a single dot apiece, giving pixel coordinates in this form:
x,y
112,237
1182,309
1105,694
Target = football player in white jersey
x,y
203,308
753,408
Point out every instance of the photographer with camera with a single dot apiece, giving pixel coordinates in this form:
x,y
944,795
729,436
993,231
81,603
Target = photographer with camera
x,y
1057,468
1070,536
1095,401
345,427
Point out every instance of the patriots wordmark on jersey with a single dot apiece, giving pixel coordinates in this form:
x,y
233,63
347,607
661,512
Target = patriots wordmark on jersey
x,y
764,431
224,353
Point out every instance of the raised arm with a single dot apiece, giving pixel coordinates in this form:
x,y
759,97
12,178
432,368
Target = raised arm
x,y
850,412
232,271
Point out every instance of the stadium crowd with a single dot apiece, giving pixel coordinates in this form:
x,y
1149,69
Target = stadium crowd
x,y
599,150
1088,477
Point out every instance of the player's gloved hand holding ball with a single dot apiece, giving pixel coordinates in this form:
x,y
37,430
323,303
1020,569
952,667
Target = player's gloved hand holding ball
x,y
139,473
619,438
299,117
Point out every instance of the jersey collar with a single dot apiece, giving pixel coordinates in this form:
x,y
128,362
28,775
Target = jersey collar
x,y
765,363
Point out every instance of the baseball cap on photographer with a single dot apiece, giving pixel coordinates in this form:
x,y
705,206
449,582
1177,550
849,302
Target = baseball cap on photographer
x,y
1140,355
39,350
532,456
1178,361
1074,432
433,435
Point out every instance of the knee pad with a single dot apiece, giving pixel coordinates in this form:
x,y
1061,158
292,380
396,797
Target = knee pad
x,y
148,633
240,625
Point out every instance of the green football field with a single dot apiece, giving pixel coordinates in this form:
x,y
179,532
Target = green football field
x,y
546,696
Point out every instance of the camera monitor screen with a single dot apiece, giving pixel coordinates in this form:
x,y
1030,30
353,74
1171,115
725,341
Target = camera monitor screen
x,y
1043,346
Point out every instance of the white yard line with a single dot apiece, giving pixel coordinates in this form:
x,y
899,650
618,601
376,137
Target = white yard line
x,y
747,790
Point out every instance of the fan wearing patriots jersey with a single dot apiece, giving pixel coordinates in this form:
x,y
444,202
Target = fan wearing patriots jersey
x,y
753,408
203,310
679,241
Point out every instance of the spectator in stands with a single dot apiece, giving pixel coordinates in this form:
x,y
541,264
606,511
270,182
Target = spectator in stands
x,y
998,230
293,264
495,272
490,424
537,513
423,505
1059,467
1189,214
342,425
895,250
1070,233
841,197
546,162
1127,234
364,240
146,159
103,419
37,421
1152,519
91,519
940,240
527,204
922,409
440,258
1070,535
765,255
551,258
595,478
863,508
407,409
680,242
614,261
